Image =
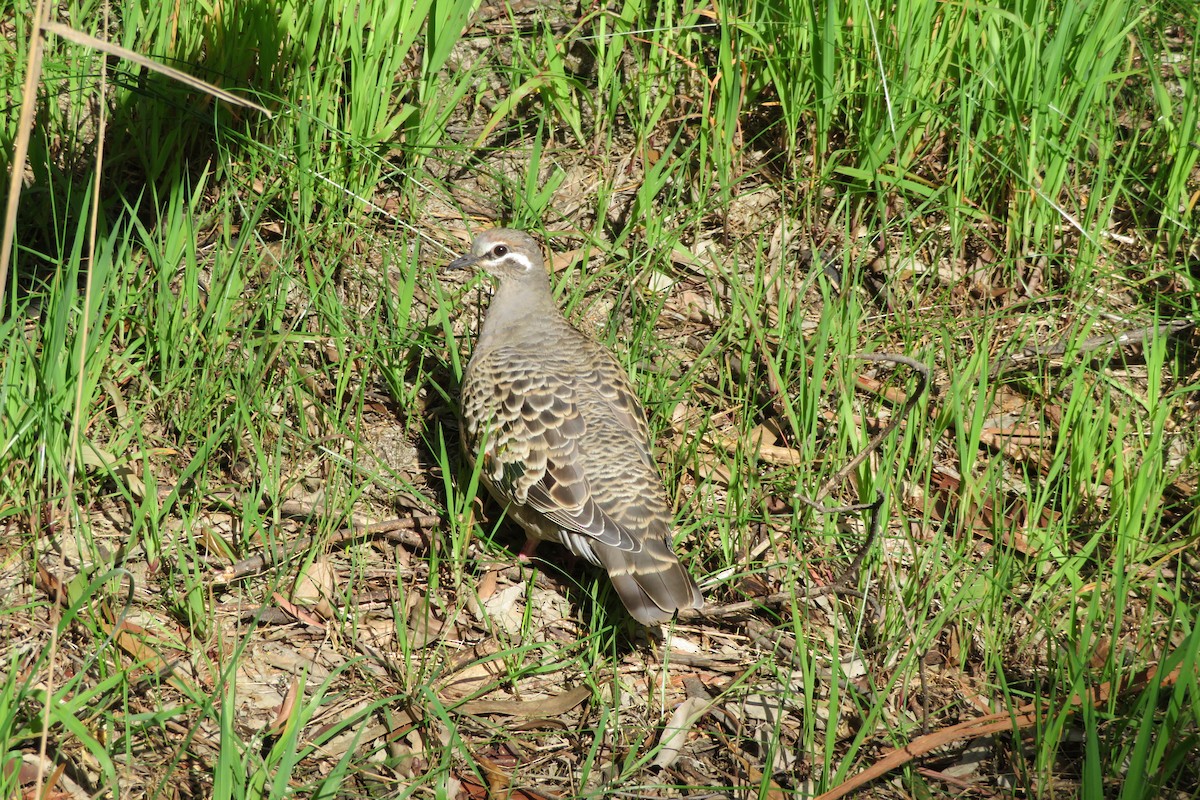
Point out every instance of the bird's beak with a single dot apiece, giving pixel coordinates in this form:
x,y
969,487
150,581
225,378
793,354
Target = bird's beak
x,y
462,262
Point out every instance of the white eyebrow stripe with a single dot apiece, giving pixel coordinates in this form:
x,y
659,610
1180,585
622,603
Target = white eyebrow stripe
x,y
520,258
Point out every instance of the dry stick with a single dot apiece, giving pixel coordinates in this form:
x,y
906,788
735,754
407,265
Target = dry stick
x,y
1135,336
840,586
1006,721
33,74
923,372
854,569
400,530
993,723
738,609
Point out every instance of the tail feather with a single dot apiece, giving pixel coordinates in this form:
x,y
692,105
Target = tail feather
x,y
651,583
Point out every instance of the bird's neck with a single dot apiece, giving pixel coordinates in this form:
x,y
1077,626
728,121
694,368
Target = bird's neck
x,y
518,307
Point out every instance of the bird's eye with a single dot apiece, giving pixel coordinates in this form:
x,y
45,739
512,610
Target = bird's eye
x,y
499,250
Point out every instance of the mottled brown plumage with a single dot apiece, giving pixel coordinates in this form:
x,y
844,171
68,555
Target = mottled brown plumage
x,y
562,436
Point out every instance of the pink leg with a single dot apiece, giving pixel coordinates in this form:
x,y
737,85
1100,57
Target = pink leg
x,y
527,550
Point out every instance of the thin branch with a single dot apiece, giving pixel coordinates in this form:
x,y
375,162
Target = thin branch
x,y
922,371
402,530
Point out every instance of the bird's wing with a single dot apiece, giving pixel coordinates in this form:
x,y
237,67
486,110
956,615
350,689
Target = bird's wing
x,y
528,428
609,380
574,452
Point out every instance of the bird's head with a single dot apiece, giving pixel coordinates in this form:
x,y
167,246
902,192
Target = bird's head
x,y
503,253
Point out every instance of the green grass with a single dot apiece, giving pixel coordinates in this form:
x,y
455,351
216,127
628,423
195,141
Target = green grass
x,y
754,193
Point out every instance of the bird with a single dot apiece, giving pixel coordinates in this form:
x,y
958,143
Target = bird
x,y
562,436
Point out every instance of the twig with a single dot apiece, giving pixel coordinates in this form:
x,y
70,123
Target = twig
x,y
1135,336
1026,716
922,371
713,612
402,530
